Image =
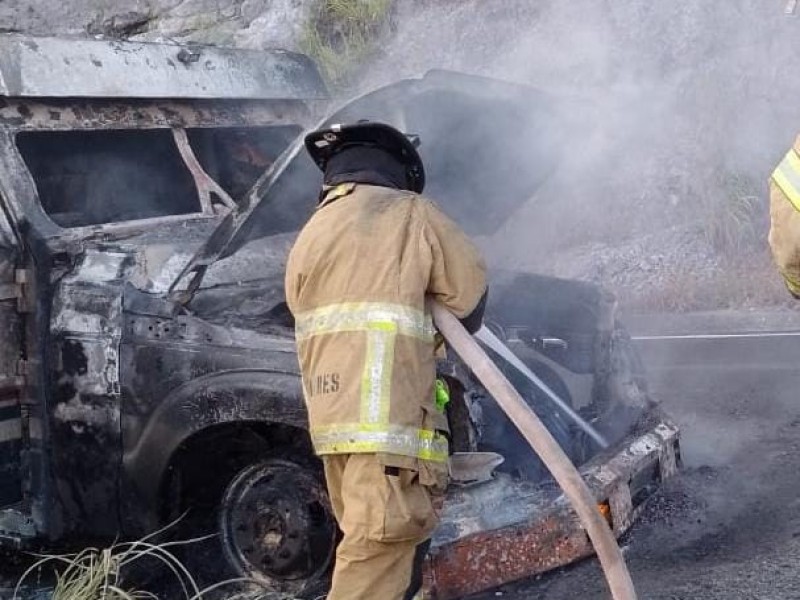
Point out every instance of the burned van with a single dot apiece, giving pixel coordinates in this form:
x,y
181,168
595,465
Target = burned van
x,y
149,196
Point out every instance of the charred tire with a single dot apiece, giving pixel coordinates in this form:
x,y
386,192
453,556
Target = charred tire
x,y
277,527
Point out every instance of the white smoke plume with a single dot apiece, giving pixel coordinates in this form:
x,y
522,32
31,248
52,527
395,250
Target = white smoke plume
x,y
686,109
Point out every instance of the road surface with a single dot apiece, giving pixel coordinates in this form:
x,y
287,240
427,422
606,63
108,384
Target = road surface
x,y
728,528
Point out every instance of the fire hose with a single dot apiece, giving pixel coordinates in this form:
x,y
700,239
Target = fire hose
x,y
545,446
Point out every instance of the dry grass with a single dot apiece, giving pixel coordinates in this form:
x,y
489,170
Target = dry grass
x,y
732,212
341,34
99,573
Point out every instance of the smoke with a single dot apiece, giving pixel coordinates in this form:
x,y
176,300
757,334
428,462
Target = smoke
x,y
678,113
681,109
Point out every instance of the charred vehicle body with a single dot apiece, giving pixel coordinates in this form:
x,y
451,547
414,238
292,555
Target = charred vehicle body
x,y
149,196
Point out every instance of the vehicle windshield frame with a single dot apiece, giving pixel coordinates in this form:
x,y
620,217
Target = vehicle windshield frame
x,y
213,249
102,114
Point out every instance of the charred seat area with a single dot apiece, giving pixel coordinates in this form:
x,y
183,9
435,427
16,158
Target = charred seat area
x,y
565,332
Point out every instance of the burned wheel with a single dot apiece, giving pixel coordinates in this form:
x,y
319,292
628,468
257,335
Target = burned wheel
x,y
278,528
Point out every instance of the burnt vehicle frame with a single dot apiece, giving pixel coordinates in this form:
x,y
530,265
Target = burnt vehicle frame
x,y
145,372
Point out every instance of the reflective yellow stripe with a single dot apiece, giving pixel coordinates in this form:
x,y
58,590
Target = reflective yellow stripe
x,y
360,316
787,177
359,438
792,284
382,323
432,446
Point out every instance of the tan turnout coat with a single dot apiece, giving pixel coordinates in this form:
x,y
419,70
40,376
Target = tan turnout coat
x,y
357,280
784,235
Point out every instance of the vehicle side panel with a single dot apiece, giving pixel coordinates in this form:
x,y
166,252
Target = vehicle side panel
x,y
85,414
183,375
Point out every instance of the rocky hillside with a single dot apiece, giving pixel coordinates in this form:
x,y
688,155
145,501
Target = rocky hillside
x,y
252,23
688,107
663,196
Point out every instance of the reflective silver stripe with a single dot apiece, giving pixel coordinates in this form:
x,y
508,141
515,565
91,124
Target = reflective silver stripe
x,y
394,439
377,379
358,316
787,177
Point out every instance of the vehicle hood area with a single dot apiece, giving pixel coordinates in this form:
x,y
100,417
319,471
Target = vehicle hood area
x,y
487,146
479,136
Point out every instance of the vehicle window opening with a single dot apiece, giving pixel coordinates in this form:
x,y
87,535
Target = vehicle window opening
x,y
96,177
235,157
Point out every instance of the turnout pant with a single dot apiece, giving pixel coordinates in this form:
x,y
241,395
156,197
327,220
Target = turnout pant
x,y
386,513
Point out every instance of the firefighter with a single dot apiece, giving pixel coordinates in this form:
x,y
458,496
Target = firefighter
x,y
357,281
784,235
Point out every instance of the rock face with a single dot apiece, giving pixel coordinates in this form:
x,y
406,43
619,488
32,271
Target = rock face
x,y
246,23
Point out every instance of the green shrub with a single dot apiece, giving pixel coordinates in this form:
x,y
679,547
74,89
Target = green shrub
x,y
342,34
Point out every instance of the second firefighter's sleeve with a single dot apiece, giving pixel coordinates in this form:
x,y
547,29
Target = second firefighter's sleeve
x,y
458,272
784,234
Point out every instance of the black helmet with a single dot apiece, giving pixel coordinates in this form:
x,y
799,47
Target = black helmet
x,y
324,143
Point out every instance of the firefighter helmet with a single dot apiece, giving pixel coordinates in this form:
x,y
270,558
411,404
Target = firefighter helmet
x,y
322,144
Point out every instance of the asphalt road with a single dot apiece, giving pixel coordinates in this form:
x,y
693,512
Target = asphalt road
x,y
728,527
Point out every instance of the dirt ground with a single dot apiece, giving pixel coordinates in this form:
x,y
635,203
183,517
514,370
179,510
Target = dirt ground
x,y
729,526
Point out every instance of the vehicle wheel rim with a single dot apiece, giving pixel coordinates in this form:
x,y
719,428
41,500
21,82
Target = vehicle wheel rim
x,y
277,525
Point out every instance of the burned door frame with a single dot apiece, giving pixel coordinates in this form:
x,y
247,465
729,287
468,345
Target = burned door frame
x,y
32,516
12,382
